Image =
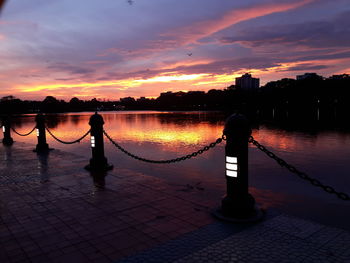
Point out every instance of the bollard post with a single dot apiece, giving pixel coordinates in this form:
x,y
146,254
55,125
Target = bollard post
x,y
6,129
98,162
238,205
41,146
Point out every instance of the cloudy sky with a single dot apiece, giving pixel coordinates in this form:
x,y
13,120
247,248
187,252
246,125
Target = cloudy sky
x,y
117,48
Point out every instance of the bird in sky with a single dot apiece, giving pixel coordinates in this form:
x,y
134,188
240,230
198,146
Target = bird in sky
x,y
189,54
130,2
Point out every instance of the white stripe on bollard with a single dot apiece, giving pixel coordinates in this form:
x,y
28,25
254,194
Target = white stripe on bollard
x,y
92,141
231,166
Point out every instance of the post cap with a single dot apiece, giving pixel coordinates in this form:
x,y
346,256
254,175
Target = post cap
x,y
96,119
39,117
5,120
237,125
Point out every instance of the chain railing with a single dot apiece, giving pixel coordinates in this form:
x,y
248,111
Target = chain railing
x,y
302,175
23,134
233,148
65,142
179,159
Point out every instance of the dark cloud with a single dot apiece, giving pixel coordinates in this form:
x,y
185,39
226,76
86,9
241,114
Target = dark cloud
x,y
31,76
65,79
305,67
1,3
65,67
330,55
140,74
313,34
227,66
216,67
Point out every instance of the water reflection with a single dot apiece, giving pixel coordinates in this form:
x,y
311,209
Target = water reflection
x,y
42,167
7,157
98,178
322,152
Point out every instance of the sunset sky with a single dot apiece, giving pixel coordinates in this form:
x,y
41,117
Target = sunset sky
x,y
117,48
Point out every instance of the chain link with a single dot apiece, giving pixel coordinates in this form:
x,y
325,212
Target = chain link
x,y
302,175
65,142
23,134
179,159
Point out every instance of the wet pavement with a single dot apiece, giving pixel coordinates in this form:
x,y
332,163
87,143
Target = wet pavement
x,y
53,210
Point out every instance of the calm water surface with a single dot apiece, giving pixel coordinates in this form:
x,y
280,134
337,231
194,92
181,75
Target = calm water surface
x,y
324,155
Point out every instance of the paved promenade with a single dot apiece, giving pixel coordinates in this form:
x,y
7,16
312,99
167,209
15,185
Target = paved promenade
x,y
52,210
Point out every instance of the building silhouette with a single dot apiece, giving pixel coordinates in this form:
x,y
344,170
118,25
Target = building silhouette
x,y
246,82
309,76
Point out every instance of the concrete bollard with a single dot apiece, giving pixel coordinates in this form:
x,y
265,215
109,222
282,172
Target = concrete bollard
x,y
238,205
98,162
42,145
6,129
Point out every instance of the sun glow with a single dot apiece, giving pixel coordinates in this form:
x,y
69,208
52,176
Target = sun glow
x,y
119,85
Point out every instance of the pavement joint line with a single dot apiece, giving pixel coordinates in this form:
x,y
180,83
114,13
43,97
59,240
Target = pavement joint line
x,y
35,214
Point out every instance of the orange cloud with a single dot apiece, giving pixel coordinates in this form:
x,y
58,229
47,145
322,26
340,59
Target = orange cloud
x,y
186,63
170,79
203,29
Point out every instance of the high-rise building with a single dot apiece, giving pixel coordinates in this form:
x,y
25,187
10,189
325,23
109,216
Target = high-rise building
x,y
247,82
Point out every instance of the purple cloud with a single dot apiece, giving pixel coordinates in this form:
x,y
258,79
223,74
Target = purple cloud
x,y
313,34
65,67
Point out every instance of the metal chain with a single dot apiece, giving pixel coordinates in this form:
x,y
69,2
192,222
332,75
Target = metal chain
x,y
302,175
179,159
64,142
25,134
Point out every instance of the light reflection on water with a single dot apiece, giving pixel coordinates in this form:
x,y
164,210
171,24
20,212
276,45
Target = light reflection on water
x,y
165,135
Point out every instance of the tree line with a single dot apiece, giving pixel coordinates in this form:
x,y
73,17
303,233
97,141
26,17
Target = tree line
x,y
285,94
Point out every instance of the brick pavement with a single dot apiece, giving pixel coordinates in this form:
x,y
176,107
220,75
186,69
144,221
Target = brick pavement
x,y
280,239
52,210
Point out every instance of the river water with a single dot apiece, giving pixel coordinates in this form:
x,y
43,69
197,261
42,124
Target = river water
x,y
323,154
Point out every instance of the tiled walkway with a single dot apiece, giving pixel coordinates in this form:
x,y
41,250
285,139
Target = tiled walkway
x,y
281,239
51,210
